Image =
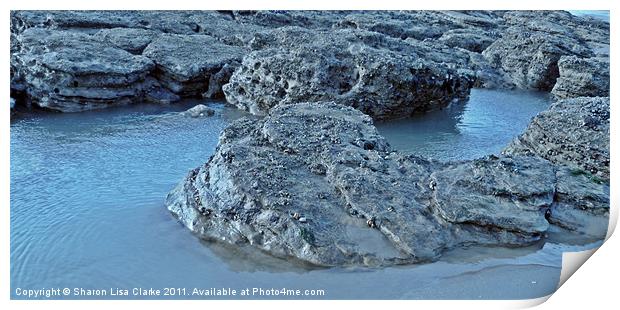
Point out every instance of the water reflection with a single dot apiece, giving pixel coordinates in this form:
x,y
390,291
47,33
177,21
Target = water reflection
x,y
483,125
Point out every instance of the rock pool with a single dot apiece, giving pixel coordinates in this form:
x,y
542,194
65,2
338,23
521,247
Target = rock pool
x,y
87,211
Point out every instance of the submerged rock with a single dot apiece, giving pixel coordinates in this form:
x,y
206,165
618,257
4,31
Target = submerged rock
x,y
573,132
199,110
361,203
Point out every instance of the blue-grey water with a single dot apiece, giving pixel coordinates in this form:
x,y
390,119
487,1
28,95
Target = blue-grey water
x,y
87,211
466,130
598,14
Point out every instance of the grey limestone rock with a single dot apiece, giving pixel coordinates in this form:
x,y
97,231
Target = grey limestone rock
x,y
71,72
185,63
573,132
362,203
582,77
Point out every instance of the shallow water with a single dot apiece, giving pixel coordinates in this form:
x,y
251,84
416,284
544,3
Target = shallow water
x,y
598,14
87,194
483,125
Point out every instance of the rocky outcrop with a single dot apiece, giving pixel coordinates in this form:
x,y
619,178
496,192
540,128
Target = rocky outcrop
x,y
133,40
401,61
582,204
582,77
185,63
530,48
70,72
123,57
359,69
573,132
199,110
530,59
316,181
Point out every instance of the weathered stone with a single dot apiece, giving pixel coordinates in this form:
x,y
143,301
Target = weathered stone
x,y
133,40
196,52
185,63
582,77
529,58
71,72
470,39
199,110
509,193
218,80
374,77
161,95
582,203
362,203
573,132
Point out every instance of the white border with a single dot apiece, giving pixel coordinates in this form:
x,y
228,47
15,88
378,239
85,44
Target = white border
x,y
594,284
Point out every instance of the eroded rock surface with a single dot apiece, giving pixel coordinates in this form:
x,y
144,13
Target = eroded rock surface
x,y
573,132
534,41
185,63
384,63
70,72
317,182
383,77
582,77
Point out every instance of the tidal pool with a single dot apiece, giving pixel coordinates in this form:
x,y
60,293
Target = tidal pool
x,y
87,193
483,125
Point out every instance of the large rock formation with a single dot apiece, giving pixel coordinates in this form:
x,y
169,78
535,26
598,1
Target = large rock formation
x,y
385,63
573,132
383,77
530,48
70,72
317,182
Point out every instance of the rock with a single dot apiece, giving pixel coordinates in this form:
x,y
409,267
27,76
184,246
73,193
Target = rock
x,y
508,193
573,132
185,63
582,77
530,48
161,95
78,20
415,24
70,72
435,56
377,78
530,59
218,80
376,206
582,203
133,40
470,39
199,110
12,111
